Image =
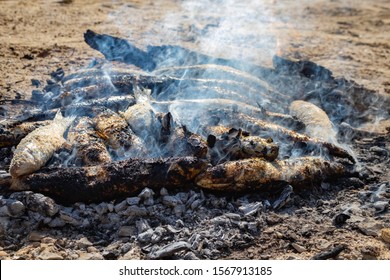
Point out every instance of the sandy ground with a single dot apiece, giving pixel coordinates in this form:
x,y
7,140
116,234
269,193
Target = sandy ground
x,y
351,38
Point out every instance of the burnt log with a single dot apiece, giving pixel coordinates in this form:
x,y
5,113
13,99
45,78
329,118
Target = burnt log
x,y
112,180
118,49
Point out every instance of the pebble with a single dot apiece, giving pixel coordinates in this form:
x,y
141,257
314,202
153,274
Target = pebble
x,y
110,207
83,243
179,210
121,206
385,234
133,200
250,209
127,231
146,193
47,255
16,208
298,248
42,204
196,204
169,250
149,201
101,208
145,236
4,211
90,256
135,211
171,201
36,236
56,223
163,192
142,225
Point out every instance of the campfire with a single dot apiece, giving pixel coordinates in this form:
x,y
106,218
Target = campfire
x,y
169,117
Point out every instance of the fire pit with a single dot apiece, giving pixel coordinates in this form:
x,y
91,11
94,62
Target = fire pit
x,y
184,119
184,155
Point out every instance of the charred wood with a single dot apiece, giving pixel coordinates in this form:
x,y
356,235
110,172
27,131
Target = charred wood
x,y
111,180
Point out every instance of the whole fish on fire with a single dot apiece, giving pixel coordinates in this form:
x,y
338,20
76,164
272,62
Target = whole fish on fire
x,y
38,147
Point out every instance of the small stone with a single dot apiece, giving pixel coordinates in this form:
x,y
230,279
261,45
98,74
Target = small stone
x,y
370,227
298,248
279,234
42,204
182,196
47,255
163,192
135,211
385,234
3,254
126,247
145,236
146,193
101,208
121,206
92,249
149,201
250,209
56,223
69,219
36,236
127,231
90,256
196,204
110,207
169,250
83,243
179,210
16,208
4,212
142,225
133,200
171,201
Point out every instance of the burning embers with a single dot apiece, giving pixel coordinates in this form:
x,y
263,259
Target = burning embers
x,y
189,120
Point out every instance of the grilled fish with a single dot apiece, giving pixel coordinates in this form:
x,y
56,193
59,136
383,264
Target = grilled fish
x,y
89,147
256,173
38,147
117,134
315,119
233,144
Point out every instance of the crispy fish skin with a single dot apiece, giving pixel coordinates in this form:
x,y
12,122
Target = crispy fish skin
x,y
13,134
234,144
90,148
38,147
256,126
256,173
316,121
115,131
